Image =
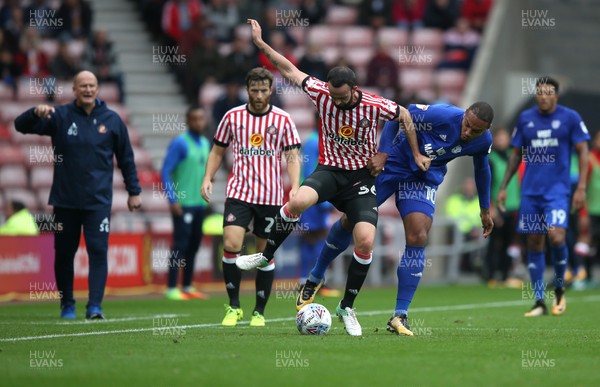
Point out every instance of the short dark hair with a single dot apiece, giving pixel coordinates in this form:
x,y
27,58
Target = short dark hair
x,y
259,74
341,75
546,80
191,109
17,205
483,111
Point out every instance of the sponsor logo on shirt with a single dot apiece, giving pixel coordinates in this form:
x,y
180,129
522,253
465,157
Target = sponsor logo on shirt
x,y
346,131
256,139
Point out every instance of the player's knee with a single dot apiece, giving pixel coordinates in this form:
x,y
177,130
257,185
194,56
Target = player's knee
x,y
556,238
229,245
364,243
416,237
535,242
298,204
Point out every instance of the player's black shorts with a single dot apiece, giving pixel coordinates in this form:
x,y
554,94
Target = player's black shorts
x,y
240,213
352,192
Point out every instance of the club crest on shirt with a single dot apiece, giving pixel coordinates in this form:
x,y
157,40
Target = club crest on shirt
x,y
422,107
555,124
256,139
456,149
272,130
230,218
346,131
101,129
364,123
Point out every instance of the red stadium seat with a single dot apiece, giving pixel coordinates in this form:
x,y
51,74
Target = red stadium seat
x,y
303,118
299,34
360,56
416,79
128,223
331,55
142,158
118,182
13,176
36,90
326,36
428,37
341,15
451,79
295,98
148,178
11,155
42,195
209,92
49,47
119,201
109,92
41,176
161,224
356,37
10,110
154,200
6,92
392,36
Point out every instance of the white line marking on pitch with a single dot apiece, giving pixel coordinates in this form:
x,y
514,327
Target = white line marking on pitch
x,y
95,321
501,304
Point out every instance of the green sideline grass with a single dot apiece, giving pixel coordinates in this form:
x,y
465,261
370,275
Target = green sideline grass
x,y
465,336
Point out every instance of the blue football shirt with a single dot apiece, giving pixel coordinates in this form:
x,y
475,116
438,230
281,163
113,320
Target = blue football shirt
x,y
546,141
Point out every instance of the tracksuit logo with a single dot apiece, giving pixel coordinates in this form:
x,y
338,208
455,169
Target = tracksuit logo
x,y
104,226
72,130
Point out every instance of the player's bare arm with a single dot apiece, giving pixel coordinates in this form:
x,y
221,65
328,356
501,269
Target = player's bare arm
x,y
579,195
292,158
285,67
376,163
513,164
215,158
405,119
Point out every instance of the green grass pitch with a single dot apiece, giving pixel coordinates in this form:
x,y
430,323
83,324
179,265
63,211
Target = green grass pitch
x,y
465,336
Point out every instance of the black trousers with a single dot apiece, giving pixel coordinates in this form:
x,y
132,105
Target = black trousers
x,y
187,235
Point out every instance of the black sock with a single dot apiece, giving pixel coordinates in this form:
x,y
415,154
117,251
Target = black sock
x,y
264,283
357,272
232,276
279,232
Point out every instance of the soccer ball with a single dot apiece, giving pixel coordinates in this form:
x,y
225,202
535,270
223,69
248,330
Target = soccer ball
x,y
313,319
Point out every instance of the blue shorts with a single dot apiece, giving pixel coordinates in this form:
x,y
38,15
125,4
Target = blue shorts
x,y
411,195
539,213
316,217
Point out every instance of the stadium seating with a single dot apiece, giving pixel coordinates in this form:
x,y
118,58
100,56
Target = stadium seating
x,y
13,176
341,15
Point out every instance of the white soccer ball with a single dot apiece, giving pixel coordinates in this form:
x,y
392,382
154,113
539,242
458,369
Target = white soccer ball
x,y
313,319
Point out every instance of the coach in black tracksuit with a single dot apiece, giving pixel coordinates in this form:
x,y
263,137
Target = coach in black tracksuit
x,y
86,134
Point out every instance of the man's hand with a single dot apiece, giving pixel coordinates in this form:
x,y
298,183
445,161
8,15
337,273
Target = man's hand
x,y
578,200
256,31
176,209
423,162
501,200
206,190
376,163
134,202
486,222
43,111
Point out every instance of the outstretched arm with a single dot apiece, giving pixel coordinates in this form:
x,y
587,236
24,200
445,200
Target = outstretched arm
x,y
579,194
483,180
285,67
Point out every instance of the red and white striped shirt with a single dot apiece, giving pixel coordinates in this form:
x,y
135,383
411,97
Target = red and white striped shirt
x,y
258,142
348,137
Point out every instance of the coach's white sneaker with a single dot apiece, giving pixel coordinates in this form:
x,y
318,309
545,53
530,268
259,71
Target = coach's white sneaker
x,y
348,316
248,262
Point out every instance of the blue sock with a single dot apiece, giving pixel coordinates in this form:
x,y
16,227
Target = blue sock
x,y
410,271
337,241
308,256
536,263
560,256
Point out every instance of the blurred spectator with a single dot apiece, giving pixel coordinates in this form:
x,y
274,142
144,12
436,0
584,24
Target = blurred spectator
x,y
376,13
460,44
230,99
272,25
504,236
223,14
194,36
382,69
40,15
19,220
30,58
408,13
152,11
476,12
314,11
464,208
13,24
64,65
178,16
206,64
312,62
9,70
441,14
76,17
240,60
277,40
100,58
